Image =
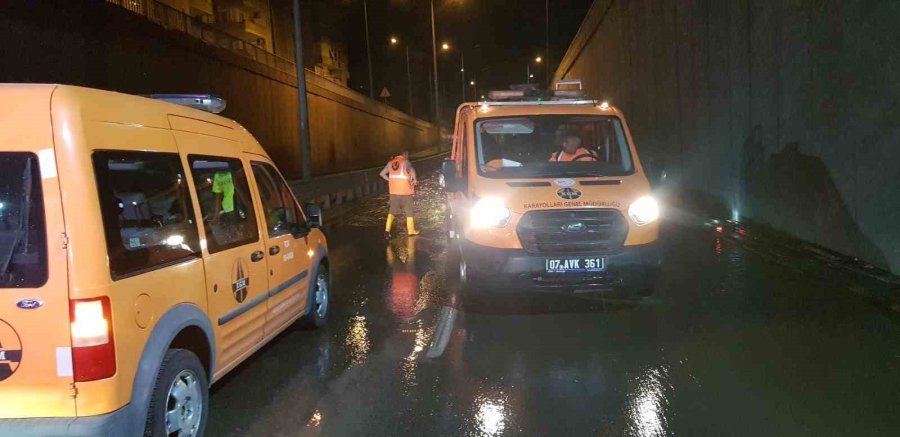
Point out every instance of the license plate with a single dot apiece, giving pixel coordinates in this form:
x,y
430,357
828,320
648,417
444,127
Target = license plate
x,y
575,265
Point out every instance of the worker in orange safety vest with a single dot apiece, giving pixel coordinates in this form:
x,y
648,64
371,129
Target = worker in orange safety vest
x,y
401,177
573,151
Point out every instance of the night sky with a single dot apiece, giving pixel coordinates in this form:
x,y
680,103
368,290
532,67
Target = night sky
x,y
499,38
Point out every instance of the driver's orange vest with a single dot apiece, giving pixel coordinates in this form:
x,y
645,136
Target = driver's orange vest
x,y
400,182
562,156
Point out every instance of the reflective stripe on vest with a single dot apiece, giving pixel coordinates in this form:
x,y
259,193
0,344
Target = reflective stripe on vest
x,y
400,183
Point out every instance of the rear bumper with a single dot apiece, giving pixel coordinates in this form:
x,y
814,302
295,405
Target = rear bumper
x,y
504,270
112,424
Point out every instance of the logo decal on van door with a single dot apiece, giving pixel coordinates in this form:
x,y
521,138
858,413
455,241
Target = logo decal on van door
x,y
240,281
10,350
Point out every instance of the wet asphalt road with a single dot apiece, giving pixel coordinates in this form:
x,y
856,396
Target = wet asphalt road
x,y
730,343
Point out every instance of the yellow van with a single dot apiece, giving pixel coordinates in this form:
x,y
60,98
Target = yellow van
x,y
146,249
546,190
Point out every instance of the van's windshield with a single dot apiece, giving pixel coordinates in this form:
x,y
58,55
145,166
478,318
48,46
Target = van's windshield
x,y
552,146
23,248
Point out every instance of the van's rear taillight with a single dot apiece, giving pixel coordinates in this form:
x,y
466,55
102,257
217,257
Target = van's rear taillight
x,y
93,349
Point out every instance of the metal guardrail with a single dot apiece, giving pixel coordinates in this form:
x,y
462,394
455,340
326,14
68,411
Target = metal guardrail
x,y
173,19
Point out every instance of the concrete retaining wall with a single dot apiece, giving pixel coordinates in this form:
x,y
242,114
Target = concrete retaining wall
x,y
96,44
785,112
336,189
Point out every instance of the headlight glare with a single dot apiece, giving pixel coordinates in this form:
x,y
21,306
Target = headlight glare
x,y
644,210
489,212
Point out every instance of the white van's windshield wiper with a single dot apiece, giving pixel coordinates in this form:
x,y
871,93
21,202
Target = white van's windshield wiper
x,y
6,254
16,235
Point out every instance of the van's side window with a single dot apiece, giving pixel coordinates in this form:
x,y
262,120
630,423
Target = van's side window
x,y
148,218
282,214
225,202
23,239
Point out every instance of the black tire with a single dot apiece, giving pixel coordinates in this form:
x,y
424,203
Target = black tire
x,y
316,318
178,366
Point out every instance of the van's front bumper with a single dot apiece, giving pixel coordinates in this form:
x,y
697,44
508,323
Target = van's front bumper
x,y
116,423
506,270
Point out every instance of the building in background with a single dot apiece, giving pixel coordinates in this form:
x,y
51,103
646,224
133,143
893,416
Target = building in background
x,y
325,26
202,9
260,29
248,20
325,39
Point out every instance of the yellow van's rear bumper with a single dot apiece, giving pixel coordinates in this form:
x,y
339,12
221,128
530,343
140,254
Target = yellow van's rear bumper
x,y
632,267
117,423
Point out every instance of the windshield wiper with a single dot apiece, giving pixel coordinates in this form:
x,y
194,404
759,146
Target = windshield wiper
x,y
6,258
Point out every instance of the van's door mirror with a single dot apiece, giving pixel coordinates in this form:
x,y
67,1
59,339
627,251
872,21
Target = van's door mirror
x,y
655,171
449,181
314,216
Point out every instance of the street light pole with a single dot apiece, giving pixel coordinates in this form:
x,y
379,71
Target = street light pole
x,y
368,50
462,73
305,153
437,106
547,42
409,82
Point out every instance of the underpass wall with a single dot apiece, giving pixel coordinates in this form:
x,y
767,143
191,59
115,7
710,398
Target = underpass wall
x,y
783,112
96,44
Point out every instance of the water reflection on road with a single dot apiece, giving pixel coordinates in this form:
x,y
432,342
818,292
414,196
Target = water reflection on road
x,y
730,343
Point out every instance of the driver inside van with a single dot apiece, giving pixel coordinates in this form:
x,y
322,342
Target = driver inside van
x,y
572,150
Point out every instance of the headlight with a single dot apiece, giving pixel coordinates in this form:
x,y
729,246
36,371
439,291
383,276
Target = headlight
x,y
644,210
489,212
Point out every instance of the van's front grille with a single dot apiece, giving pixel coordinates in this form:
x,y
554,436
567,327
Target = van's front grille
x,y
573,231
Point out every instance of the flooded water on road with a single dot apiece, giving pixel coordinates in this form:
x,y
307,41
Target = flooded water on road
x,y
729,343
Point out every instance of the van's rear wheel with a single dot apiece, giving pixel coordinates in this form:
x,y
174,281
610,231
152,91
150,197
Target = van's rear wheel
x,y
179,404
321,301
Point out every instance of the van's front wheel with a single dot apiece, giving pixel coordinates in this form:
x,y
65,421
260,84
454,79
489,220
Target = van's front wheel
x,y
321,301
180,401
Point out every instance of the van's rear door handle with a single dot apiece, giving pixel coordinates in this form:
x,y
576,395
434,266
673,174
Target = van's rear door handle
x,y
274,250
257,256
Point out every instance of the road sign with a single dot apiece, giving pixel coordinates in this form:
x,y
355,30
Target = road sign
x,y
384,93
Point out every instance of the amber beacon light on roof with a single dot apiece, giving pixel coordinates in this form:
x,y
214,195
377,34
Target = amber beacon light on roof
x,y
204,102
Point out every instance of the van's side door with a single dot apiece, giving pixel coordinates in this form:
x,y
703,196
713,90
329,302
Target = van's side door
x,y
285,233
232,246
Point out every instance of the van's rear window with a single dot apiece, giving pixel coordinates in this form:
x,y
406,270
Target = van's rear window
x,y
147,213
23,236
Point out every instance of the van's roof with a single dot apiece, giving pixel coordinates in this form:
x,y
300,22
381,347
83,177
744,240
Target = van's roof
x,y
510,108
112,107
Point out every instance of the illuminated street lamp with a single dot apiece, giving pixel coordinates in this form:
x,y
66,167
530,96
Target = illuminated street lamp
x,y
462,68
528,75
395,41
434,51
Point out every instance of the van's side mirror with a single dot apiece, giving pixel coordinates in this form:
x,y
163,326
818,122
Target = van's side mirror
x,y
655,171
449,181
314,216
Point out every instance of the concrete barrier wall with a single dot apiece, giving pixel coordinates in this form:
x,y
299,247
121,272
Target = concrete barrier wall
x,y
96,44
785,112
336,189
